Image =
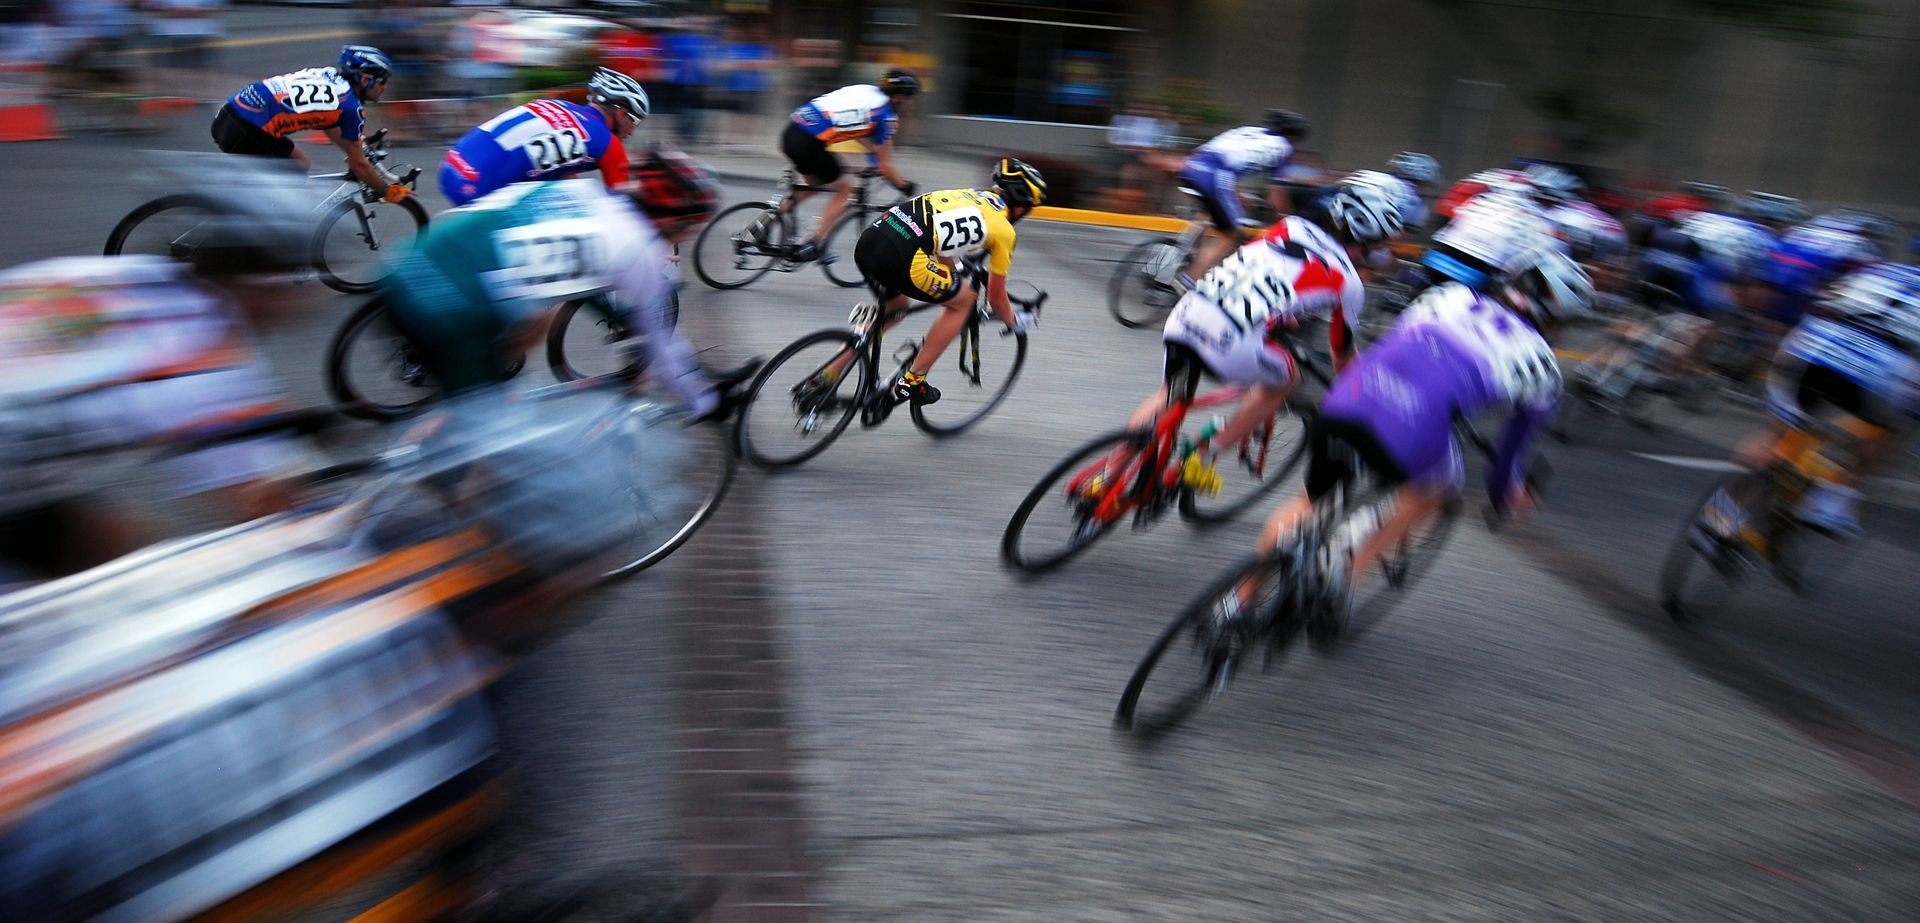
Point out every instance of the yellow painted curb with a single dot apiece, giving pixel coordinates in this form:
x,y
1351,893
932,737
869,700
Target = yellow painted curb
x,y
1109,219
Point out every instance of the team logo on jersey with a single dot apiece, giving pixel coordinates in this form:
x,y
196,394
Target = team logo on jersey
x,y
560,117
462,167
251,99
912,228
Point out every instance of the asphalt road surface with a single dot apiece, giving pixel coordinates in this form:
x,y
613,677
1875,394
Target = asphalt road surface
x,y
1526,737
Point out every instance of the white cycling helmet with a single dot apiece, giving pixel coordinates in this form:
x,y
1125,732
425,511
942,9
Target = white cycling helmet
x,y
1415,166
1552,285
1883,299
1552,184
617,89
1364,211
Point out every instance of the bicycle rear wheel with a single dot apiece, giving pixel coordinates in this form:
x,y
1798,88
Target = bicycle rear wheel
x,y
1262,460
1704,567
353,236
1199,654
1068,498
837,251
583,340
162,227
1136,295
793,412
739,245
989,363
373,370
675,485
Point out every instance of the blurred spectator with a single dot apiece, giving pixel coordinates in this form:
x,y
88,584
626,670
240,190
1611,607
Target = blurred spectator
x,y
1136,134
23,23
100,32
747,63
482,54
185,31
689,63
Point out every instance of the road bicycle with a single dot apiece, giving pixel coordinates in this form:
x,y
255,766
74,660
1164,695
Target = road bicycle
x,y
1749,524
354,226
1136,474
808,404
751,239
1145,285
1263,603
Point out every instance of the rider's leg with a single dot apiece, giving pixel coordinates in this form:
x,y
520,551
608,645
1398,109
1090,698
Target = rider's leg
x,y
891,311
842,193
953,316
1213,248
1411,505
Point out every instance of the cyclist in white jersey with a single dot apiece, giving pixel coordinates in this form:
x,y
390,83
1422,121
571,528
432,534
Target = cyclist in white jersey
x,y
1234,323
1215,168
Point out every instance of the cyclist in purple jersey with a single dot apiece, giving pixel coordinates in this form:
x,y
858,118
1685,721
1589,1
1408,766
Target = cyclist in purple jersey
x,y
549,139
1454,352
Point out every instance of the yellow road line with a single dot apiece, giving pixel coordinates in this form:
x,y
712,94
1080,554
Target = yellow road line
x,y
1109,219
246,42
1572,355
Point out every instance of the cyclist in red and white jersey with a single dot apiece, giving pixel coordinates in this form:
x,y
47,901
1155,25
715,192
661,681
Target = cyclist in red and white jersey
x,y
1234,323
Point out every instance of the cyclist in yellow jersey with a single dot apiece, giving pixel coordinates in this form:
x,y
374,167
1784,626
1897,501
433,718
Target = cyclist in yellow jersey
x,y
909,254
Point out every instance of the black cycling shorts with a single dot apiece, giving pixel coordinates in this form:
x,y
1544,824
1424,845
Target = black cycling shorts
x,y
236,135
1821,387
896,265
809,156
1182,372
1338,450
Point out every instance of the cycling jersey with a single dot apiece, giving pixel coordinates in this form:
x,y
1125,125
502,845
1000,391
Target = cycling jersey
x,y
106,352
542,140
1864,364
1486,239
1215,168
859,111
906,251
1292,272
1703,258
1453,352
480,273
1589,233
1512,182
1808,257
311,99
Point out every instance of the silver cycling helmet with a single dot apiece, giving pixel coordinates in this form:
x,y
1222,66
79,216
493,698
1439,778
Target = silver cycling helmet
x,y
1414,166
1364,212
613,88
1553,286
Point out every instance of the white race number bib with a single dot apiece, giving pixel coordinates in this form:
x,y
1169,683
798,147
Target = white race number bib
x,y
959,230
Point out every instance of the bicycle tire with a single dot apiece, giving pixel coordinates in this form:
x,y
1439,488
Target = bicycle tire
x,y
1683,600
938,425
1133,298
1084,532
1220,654
747,268
317,250
839,244
1273,469
714,450
566,367
350,396
117,238
856,374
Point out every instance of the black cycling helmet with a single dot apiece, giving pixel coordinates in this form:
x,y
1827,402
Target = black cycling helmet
x,y
1288,124
1019,183
900,83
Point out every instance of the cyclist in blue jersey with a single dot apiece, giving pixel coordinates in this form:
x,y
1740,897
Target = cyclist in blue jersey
x,y
1214,170
260,119
861,112
1807,259
549,139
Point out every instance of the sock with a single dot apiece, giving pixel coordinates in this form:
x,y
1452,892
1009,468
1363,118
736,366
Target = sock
x,y
912,379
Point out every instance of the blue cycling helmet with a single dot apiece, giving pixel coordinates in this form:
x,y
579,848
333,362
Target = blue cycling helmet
x,y
364,64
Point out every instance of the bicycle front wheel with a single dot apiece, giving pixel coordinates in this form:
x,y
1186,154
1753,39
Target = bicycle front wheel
x,y
583,340
1198,655
354,236
663,510
797,405
373,370
989,363
1251,470
1143,290
1706,567
837,252
739,245
163,227
1073,504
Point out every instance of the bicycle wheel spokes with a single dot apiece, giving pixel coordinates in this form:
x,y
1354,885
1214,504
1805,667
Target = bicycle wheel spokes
x,y
974,381
168,227
1075,503
354,238
1143,290
583,341
1251,470
373,371
837,253
675,478
1194,660
798,405
739,245
1706,565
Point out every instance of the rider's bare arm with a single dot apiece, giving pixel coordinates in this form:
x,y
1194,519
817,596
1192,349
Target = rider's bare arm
x,y
357,162
883,161
997,297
